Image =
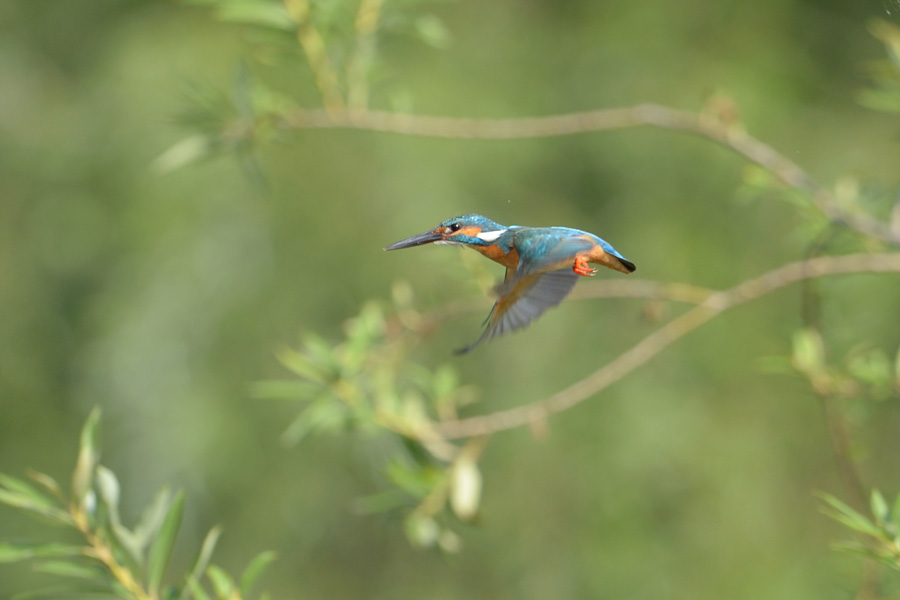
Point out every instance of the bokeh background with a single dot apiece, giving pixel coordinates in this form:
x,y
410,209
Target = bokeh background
x,y
161,298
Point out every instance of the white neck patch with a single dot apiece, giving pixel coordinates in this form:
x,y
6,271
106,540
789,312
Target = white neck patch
x,y
490,236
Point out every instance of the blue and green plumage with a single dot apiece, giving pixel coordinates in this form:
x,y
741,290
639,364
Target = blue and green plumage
x,y
542,264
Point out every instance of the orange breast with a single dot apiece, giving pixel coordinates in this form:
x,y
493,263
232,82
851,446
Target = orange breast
x,y
510,260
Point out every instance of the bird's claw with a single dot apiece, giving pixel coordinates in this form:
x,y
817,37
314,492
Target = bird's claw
x,y
581,267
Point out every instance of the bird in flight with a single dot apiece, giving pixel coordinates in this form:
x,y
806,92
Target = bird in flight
x,y
542,264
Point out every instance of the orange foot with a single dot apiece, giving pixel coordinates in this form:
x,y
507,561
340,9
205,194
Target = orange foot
x,y
581,267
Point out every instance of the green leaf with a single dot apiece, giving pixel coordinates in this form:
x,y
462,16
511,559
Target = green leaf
x,y
183,153
255,570
195,589
161,548
152,517
108,487
25,503
301,365
87,458
809,351
73,569
203,558
325,414
433,32
849,517
421,530
17,552
879,507
47,482
221,581
24,489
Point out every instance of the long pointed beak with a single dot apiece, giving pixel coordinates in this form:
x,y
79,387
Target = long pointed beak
x,y
416,240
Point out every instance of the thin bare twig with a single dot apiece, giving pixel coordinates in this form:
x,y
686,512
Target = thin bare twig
x,y
653,115
657,341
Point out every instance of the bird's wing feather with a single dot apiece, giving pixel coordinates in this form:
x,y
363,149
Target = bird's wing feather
x,y
540,253
523,299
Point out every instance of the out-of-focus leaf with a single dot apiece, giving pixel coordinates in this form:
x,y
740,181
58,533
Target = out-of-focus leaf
x,y
421,530
161,548
416,482
255,570
221,581
849,517
72,569
256,12
431,30
809,351
152,517
24,489
15,500
879,507
195,590
87,457
48,482
889,35
301,365
183,153
449,542
325,414
17,552
108,486
465,488
202,561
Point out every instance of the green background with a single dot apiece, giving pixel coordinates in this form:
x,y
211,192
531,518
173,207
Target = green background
x,y
161,298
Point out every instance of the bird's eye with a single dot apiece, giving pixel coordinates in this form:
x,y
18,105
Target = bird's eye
x,y
455,227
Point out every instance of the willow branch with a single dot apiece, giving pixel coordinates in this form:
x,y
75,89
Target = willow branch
x,y
650,115
314,48
716,304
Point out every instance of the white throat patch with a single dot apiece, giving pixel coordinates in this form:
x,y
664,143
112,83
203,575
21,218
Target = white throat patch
x,y
490,236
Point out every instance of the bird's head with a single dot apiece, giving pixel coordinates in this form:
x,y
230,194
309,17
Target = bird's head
x,y
466,230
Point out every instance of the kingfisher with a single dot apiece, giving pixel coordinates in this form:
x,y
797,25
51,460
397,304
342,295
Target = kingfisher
x,y
542,265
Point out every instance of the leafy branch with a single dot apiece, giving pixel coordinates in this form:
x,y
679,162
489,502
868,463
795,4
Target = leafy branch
x,y
111,558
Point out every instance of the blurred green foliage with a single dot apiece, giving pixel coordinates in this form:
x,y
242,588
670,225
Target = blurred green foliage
x,y
161,297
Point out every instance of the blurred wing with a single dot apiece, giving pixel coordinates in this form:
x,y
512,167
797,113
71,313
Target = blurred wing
x,y
524,299
547,252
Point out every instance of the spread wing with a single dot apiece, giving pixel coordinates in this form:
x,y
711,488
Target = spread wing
x,y
524,298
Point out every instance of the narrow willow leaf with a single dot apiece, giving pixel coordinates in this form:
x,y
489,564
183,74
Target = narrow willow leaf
x,y
255,570
221,581
72,569
182,153
161,548
849,517
202,561
301,365
195,590
25,489
45,480
879,507
17,552
55,515
152,518
108,487
87,457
